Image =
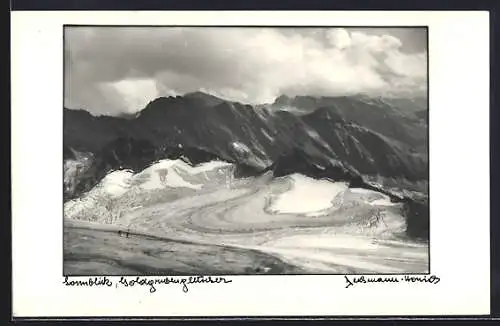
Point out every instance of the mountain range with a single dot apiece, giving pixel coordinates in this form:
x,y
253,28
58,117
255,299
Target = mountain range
x,y
379,143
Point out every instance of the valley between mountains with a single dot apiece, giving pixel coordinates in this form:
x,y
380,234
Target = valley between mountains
x,y
198,185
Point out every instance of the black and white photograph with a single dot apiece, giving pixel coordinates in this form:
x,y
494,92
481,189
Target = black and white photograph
x,y
250,165
245,150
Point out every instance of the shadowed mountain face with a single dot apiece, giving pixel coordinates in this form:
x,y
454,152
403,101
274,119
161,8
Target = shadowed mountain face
x,y
342,138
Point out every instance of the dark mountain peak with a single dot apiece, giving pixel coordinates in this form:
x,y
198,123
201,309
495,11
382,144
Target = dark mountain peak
x,y
190,101
208,99
283,100
198,94
161,107
159,102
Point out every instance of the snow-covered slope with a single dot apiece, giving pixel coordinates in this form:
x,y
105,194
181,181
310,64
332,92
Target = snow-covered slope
x,y
305,225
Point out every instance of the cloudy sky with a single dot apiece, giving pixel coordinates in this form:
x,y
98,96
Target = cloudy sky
x,y
113,70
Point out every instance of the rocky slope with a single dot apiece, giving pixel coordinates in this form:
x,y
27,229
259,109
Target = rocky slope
x,y
371,142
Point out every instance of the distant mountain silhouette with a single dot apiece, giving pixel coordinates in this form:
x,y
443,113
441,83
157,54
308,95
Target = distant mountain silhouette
x,y
369,136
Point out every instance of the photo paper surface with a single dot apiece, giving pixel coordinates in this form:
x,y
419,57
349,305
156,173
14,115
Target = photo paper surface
x,y
270,159
245,150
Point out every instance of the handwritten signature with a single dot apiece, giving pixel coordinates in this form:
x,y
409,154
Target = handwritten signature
x,y
431,279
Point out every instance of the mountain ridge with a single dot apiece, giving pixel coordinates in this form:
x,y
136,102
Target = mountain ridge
x,y
354,138
334,128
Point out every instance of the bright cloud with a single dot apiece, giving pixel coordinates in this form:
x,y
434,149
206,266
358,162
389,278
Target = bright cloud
x,y
114,70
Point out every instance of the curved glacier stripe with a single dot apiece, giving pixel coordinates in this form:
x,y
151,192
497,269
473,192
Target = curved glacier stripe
x,y
307,195
381,199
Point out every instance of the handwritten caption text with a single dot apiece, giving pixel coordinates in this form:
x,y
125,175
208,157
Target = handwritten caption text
x,y
151,282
